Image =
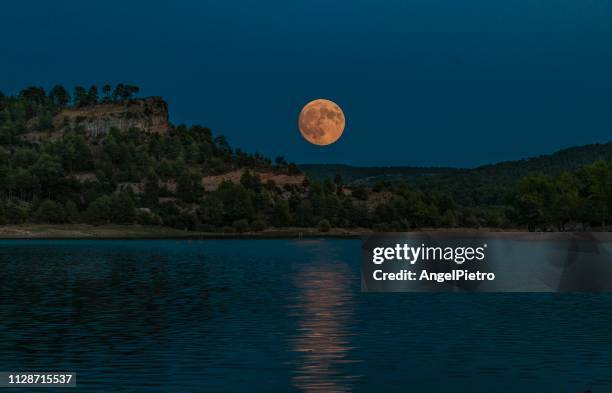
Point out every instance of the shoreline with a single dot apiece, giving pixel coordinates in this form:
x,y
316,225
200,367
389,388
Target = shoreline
x,y
140,232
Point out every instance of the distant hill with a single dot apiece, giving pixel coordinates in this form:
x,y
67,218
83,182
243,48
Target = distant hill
x,y
568,159
484,185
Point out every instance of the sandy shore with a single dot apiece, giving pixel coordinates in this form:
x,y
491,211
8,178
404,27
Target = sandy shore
x,y
83,231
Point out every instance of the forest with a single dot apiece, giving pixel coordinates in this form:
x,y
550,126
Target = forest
x,y
43,182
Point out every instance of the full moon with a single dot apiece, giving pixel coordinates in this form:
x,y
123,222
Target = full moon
x,y
321,122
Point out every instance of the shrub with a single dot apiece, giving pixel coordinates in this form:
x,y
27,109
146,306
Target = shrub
x,y
2,214
122,210
259,225
72,212
98,211
51,211
144,217
241,226
229,230
324,226
187,221
360,193
15,213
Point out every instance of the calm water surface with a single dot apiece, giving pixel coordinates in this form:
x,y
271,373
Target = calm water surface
x,y
276,316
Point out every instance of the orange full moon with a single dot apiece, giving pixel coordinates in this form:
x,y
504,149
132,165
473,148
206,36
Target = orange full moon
x,y
321,122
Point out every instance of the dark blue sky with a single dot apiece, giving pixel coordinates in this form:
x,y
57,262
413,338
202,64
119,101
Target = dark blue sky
x,y
422,82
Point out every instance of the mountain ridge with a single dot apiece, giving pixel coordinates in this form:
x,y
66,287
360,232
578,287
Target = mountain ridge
x,y
570,158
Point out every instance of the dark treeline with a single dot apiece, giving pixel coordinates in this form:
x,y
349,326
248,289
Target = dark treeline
x,y
126,177
578,200
35,98
34,108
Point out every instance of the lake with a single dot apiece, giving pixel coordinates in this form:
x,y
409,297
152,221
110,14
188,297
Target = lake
x,y
276,316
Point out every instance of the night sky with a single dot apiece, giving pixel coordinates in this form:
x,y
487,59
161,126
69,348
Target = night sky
x,y
421,82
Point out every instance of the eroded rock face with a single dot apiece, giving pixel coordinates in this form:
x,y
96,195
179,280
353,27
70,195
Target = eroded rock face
x,y
148,114
211,183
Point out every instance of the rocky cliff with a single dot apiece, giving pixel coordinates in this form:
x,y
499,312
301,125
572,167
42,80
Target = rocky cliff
x,y
147,114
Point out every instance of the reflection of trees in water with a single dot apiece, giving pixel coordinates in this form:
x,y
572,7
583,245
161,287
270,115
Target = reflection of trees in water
x,y
323,308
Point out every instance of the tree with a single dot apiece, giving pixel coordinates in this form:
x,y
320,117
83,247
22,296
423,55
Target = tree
x,y
338,182
598,179
118,93
360,192
347,214
237,201
51,211
92,95
15,212
80,97
241,226
124,92
220,143
281,216
33,98
189,187
324,226
211,211
25,183
448,219
49,172
151,191
250,181
568,201
59,96
45,121
534,200
303,214
33,94
122,209
106,93
259,225
72,212
280,162
130,91
99,211
74,152
293,169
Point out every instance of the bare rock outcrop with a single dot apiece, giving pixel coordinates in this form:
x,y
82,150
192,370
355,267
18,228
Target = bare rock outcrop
x,y
147,114
211,183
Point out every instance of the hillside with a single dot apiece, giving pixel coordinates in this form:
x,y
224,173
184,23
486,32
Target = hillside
x,y
488,184
115,159
484,185
564,160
